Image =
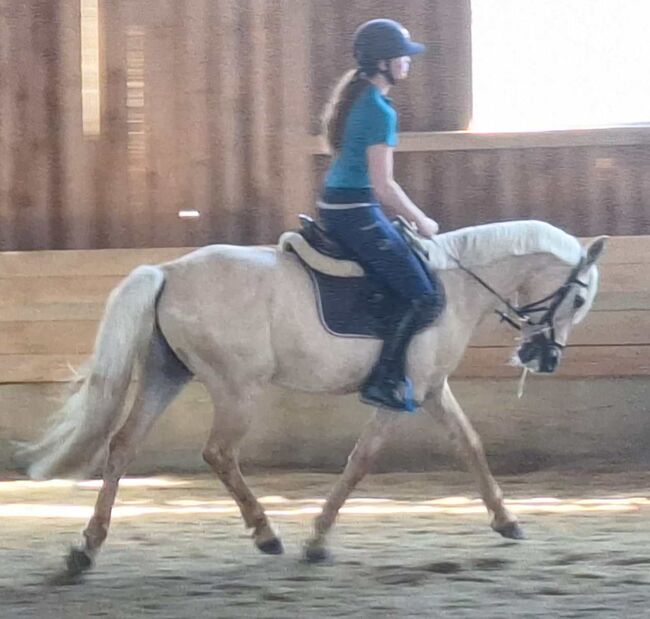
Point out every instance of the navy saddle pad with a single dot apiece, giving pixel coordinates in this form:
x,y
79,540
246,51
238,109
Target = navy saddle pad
x,y
350,306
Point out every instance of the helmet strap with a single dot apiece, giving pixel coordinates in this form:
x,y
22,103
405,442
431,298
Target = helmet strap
x,y
367,71
388,74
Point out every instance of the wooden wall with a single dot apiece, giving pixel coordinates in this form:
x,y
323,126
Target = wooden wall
x,y
50,302
213,105
41,146
437,96
201,108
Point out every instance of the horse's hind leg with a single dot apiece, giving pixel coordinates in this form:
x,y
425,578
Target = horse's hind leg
x,y
221,452
444,408
162,378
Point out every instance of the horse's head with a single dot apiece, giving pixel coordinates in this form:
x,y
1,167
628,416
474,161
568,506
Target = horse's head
x,y
550,320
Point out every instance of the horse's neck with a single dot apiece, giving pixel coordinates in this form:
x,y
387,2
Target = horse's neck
x,y
472,302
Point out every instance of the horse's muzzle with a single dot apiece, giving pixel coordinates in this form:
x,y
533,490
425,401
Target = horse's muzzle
x,y
550,359
540,355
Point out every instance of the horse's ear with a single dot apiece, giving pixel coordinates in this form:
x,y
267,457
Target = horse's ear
x,y
594,250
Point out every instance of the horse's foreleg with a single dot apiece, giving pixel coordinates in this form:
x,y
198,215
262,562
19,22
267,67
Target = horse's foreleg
x,y
444,407
359,463
222,454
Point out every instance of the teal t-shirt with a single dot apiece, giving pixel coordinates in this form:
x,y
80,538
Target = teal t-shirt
x,y
371,120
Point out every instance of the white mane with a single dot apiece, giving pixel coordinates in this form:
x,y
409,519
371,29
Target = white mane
x,y
483,245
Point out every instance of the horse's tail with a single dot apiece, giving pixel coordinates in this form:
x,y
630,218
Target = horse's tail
x,y
76,444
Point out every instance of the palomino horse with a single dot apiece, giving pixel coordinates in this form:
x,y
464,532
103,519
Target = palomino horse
x,y
239,318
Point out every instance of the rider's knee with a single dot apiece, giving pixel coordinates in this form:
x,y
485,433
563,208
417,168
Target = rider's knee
x,y
431,304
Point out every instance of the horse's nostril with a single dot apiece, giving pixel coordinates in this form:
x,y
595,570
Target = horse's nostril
x,y
526,353
551,360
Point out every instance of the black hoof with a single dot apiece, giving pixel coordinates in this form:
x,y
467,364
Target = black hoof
x,y
512,530
78,562
271,547
316,554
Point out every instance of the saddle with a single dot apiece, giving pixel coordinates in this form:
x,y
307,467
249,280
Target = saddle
x,y
351,303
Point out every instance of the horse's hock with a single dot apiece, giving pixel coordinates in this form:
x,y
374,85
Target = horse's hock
x,y
594,408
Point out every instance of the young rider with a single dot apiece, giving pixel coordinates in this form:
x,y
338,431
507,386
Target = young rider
x,y
361,127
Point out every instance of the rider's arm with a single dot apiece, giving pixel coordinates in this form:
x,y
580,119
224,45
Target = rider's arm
x,y
390,194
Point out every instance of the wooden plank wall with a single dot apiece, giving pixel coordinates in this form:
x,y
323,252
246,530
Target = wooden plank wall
x,y
201,108
41,147
437,96
50,303
584,190
211,104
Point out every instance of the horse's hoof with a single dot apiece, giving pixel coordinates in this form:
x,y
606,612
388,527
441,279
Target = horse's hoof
x,y
316,554
511,530
77,562
272,546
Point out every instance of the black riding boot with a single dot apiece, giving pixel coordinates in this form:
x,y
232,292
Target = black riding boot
x,y
387,385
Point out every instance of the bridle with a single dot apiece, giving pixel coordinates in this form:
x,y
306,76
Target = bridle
x,y
516,316
543,343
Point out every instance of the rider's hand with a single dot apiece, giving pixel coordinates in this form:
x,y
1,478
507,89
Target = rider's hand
x,y
427,227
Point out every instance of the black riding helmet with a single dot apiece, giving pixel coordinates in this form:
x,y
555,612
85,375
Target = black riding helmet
x,y
382,39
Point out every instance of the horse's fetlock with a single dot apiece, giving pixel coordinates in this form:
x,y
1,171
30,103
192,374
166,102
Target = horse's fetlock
x,y
260,520
322,524
95,536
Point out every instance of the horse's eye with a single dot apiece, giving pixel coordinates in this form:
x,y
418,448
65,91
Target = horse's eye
x,y
578,302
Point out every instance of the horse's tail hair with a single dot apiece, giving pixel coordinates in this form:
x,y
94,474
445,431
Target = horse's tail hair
x,y
77,442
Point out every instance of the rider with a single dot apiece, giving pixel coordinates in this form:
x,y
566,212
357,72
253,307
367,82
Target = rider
x,y
361,128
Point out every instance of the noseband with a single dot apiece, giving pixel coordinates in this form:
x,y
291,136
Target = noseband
x,y
548,307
